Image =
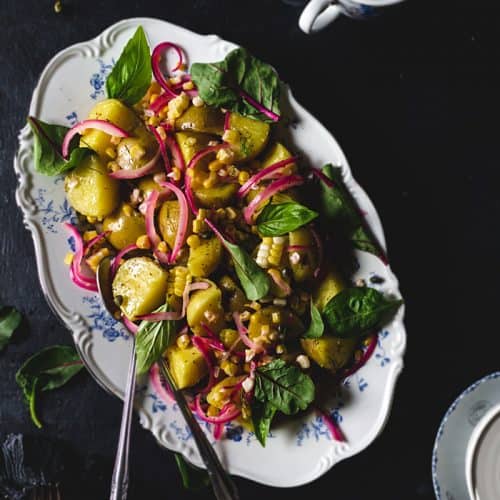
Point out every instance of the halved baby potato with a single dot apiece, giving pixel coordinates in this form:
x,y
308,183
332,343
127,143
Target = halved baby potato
x,y
125,225
90,190
139,286
250,136
192,142
187,366
204,119
303,268
277,152
168,221
205,258
205,306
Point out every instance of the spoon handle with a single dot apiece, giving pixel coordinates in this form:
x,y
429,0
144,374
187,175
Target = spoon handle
x,y
119,480
223,486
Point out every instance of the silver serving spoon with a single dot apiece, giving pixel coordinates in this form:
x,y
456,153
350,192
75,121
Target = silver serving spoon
x,y
222,484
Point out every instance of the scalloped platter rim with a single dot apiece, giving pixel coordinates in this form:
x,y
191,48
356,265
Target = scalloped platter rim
x,y
302,449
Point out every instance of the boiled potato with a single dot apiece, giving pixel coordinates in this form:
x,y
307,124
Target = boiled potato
x,y
147,184
111,110
217,196
233,294
139,286
192,142
205,306
168,221
205,119
303,270
125,226
277,152
228,336
220,393
134,152
250,136
204,259
90,190
329,286
187,366
264,318
329,352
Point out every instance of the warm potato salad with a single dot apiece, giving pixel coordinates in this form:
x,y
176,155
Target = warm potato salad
x,y
231,254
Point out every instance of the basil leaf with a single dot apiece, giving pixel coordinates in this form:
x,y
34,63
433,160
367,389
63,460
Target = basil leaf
x,y
47,148
193,479
262,416
354,311
152,338
131,76
283,386
224,84
340,210
283,218
46,370
316,327
9,321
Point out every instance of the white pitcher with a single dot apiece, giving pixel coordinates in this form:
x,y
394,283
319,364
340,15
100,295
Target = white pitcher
x,y
320,13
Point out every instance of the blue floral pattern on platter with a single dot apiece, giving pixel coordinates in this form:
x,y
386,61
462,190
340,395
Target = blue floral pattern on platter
x,y
101,321
98,80
53,215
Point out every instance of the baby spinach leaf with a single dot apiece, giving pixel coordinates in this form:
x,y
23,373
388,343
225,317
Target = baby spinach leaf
x,y
316,326
48,369
9,321
193,479
262,417
47,148
282,218
340,210
283,386
131,76
152,338
237,80
354,311
254,281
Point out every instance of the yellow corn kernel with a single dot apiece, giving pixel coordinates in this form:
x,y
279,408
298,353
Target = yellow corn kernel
x,y
188,85
88,235
198,101
212,411
68,259
177,106
161,132
183,341
220,213
94,260
267,241
199,226
153,98
255,305
176,174
226,156
137,152
231,213
143,242
127,210
264,330
193,241
181,278
111,152
243,176
113,166
231,136
154,120
162,247
276,317
211,181
280,349
91,220
229,368
215,166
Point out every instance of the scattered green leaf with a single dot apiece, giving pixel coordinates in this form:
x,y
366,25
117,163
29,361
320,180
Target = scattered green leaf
x,y
220,84
193,479
131,76
47,148
262,417
355,311
316,326
46,370
283,218
152,338
9,321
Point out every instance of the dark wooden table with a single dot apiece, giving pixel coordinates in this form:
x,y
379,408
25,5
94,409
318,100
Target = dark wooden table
x,y
413,99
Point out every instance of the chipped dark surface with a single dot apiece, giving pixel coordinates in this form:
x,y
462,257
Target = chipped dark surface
x,y
413,98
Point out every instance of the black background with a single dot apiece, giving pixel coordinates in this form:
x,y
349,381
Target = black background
x,y
412,97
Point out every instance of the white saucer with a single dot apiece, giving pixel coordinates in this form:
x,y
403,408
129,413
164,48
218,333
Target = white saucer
x,y
455,431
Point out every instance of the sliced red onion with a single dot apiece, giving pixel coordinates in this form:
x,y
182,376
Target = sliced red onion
x,y
149,217
155,64
189,193
297,248
204,152
160,102
119,256
212,340
319,244
94,241
229,415
324,178
176,153
242,332
282,184
367,354
163,149
162,390
281,283
332,426
259,107
218,430
180,237
265,173
201,346
135,173
227,120
131,326
219,235
103,125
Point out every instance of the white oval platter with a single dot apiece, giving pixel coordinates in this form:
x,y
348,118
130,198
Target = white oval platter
x,y
297,452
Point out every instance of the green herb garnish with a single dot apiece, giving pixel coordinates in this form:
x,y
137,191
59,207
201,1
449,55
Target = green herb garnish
x,y
316,326
193,479
283,218
10,319
262,417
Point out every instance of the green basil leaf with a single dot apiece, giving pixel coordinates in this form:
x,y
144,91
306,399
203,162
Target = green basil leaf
x,y
10,319
47,148
283,386
223,84
152,338
46,370
262,417
316,326
193,479
354,311
340,210
131,76
283,218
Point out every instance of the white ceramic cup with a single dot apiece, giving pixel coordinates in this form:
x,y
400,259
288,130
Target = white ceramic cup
x,y
320,13
483,456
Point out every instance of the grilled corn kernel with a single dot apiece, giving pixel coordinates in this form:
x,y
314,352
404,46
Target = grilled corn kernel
x,y
276,317
303,361
211,181
243,176
94,260
183,341
193,241
264,330
181,277
154,121
229,368
161,132
198,101
231,213
212,411
113,166
199,226
177,106
226,156
176,174
162,247
88,235
143,242
188,85
231,136
280,349
111,152
127,210
68,259
153,98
